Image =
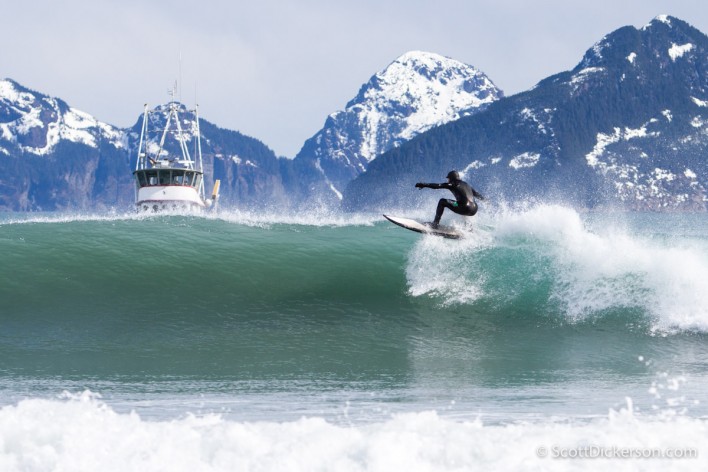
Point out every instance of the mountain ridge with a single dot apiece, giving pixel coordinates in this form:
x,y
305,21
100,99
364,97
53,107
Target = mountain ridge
x,y
558,140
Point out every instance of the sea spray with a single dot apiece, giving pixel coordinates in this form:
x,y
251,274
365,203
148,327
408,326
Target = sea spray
x,y
586,272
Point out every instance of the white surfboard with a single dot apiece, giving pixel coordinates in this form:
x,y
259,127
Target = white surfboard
x,y
418,227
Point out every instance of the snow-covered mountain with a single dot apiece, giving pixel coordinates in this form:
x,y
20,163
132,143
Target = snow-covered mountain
x,y
415,93
33,123
628,125
661,158
54,157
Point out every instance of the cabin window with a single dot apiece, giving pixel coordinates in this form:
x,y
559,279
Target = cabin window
x,y
177,177
164,177
142,179
189,178
151,177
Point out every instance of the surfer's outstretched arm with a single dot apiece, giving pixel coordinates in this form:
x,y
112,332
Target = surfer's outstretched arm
x,y
422,185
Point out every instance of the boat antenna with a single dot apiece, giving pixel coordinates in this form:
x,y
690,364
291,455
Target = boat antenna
x,y
173,92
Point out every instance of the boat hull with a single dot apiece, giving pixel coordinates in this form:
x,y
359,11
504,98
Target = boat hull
x,y
169,198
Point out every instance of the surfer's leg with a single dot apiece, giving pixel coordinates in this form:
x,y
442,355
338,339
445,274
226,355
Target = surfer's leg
x,y
442,204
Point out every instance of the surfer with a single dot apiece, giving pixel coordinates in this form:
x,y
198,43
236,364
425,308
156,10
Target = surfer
x,y
464,203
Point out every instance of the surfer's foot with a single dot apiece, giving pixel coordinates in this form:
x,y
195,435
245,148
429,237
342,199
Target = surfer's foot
x,y
433,225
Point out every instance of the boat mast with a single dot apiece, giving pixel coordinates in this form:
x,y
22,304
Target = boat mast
x,y
180,137
199,150
142,153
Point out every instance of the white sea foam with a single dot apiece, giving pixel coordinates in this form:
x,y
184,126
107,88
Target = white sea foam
x,y
448,269
70,217
592,271
596,271
80,433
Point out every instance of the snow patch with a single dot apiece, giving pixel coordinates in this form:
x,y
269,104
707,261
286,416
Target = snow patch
x,y
238,161
583,74
661,19
472,166
525,160
529,115
630,133
318,166
604,140
663,174
677,51
9,93
632,57
698,102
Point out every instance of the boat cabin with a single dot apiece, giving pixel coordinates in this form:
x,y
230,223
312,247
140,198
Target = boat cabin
x,y
165,189
165,177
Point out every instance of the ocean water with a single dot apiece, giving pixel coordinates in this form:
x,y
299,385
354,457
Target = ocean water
x,y
548,339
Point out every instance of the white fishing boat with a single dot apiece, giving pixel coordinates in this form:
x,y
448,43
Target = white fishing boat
x,y
168,177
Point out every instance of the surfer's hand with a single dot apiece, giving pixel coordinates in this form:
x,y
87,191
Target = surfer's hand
x,y
419,185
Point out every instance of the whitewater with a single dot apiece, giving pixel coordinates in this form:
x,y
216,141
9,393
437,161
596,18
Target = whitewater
x,y
548,339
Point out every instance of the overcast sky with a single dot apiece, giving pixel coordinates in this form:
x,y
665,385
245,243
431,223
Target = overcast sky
x,y
275,69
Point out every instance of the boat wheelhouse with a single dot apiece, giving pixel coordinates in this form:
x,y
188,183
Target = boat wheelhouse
x,y
168,177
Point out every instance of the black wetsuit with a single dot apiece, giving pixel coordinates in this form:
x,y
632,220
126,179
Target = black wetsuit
x,y
464,203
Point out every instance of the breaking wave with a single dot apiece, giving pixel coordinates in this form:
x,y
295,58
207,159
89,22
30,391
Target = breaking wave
x,y
551,261
547,261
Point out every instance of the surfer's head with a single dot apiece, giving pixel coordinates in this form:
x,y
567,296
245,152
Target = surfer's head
x,y
453,175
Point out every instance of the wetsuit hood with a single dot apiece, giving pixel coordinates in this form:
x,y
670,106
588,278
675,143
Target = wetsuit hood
x,y
454,176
